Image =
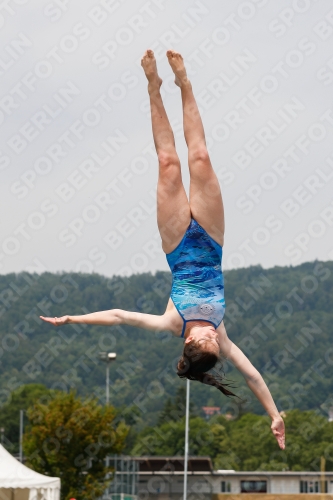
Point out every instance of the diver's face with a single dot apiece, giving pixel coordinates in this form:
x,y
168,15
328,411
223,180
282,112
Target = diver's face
x,y
205,336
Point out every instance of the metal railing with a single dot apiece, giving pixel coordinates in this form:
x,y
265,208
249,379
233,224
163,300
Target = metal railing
x,y
124,485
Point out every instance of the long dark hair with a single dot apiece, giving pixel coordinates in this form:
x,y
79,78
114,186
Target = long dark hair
x,y
196,362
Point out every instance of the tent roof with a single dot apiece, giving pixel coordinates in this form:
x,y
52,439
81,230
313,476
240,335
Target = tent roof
x,y
13,474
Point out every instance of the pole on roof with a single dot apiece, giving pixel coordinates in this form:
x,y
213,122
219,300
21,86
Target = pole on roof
x,y
322,475
187,412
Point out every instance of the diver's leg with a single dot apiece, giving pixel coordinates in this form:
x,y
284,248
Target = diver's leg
x,y
205,193
173,210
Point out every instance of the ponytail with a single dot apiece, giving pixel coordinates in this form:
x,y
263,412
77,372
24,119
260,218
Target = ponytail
x,y
194,365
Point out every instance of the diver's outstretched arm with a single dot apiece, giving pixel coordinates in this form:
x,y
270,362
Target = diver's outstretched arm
x,y
115,317
256,383
259,388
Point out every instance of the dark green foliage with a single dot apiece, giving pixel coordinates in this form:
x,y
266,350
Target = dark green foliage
x,y
245,443
20,399
174,409
281,317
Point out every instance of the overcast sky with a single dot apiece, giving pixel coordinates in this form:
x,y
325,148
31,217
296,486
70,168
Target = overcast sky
x,y
78,172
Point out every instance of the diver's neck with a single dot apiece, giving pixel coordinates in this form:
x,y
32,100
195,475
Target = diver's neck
x,y
191,326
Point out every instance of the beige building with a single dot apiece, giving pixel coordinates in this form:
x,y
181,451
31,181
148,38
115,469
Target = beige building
x,y
162,478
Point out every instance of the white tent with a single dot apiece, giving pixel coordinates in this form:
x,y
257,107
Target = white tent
x,y
18,482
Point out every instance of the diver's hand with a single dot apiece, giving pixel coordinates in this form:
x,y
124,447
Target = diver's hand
x,y
56,321
279,431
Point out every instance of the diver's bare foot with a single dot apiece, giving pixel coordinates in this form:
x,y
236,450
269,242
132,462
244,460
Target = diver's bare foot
x,y
177,64
148,62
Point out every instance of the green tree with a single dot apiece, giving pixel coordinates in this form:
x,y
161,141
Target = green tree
x,y
21,399
169,438
247,442
308,435
174,408
70,437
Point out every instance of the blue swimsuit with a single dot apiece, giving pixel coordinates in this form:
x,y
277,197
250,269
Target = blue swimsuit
x,y
197,285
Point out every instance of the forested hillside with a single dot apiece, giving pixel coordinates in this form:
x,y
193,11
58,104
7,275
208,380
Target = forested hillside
x,y
281,317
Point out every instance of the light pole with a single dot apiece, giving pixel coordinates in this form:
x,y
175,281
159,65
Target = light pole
x,y
21,435
187,412
107,357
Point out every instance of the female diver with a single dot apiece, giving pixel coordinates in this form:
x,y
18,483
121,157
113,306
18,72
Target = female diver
x,y
192,234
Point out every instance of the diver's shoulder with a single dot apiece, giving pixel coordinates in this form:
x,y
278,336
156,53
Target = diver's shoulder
x,y
173,321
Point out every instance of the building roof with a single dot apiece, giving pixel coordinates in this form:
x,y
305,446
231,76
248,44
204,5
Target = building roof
x,y
203,465
174,464
286,473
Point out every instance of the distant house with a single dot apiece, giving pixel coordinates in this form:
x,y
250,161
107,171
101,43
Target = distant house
x,y
330,415
211,410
